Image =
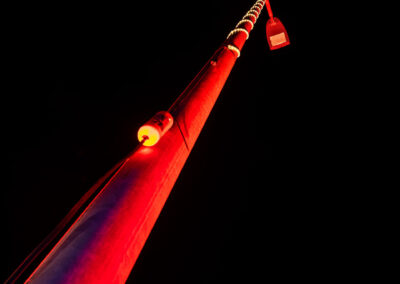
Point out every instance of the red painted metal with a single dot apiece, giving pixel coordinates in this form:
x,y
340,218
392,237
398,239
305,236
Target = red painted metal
x,y
105,241
268,6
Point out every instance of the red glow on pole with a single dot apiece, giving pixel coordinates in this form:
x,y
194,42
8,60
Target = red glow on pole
x,y
104,242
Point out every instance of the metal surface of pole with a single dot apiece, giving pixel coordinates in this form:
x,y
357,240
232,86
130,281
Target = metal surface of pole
x,y
104,242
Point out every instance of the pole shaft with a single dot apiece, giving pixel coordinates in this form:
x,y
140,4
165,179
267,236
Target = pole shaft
x,y
268,5
105,241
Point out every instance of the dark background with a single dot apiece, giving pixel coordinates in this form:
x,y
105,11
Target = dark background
x,y
81,79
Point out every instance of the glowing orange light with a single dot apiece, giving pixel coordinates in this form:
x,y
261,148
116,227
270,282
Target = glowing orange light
x,y
151,132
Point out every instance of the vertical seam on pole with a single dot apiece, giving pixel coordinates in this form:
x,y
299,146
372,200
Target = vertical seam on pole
x,y
183,136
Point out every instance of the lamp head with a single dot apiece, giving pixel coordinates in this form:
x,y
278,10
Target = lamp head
x,y
277,36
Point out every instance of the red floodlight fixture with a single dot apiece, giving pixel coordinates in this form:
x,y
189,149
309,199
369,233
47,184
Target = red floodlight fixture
x,y
276,33
151,132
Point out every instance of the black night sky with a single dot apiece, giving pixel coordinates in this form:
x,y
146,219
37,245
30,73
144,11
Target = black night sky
x,y
80,81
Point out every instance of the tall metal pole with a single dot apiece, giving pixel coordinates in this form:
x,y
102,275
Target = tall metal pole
x,y
105,241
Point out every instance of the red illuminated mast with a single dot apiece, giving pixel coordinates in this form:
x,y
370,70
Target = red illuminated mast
x,y
106,239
